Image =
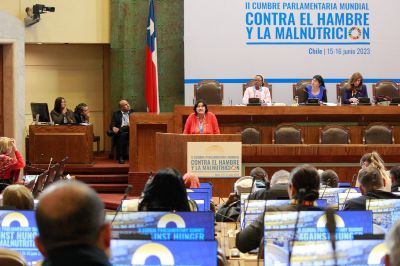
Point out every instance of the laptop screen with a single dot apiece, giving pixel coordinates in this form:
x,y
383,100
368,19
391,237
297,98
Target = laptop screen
x,y
330,194
18,231
385,212
202,199
178,253
163,225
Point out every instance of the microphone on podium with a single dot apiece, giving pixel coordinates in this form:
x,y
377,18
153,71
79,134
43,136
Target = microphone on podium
x,y
127,191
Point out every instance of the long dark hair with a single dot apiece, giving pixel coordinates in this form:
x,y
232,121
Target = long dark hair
x,y
320,80
306,177
57,104
166,192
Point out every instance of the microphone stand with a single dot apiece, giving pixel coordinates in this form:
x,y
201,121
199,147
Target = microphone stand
x,y
348,191
127,191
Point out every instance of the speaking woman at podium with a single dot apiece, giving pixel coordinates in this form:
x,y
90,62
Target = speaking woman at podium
x,y
201,121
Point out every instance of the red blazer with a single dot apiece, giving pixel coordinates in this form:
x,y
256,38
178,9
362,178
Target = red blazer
x,y
9,167
210,124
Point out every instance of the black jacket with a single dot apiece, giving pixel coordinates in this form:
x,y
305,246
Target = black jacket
x,y
278,191
116,120
358,204
79,255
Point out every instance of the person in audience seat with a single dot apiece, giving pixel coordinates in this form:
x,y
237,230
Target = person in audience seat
x,y
165,192
374,159
119,130
392,241
278,188
356,89
257,91
329,179
395,177
191,180
61,114
201,121
303,186
372,187
11,162
17,197
72,229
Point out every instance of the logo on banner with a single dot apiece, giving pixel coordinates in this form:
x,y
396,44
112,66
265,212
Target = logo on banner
x,y
323,220
171,218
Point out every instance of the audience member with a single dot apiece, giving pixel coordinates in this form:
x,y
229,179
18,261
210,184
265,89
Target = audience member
x,y
119,130
191,180
392,241
395,177
376,161
201,121
278,189
371,186
303,192
316,89
18,197
11,161
165,192
82,113
61,114
257,91
329,179
356,89
72,229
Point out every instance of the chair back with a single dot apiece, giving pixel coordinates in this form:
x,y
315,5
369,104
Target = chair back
x,y
287,134
334,134
10,257
38,186
378,133
386,88
341,88
299,90
60,170
211,91
251,136
52,174
250,83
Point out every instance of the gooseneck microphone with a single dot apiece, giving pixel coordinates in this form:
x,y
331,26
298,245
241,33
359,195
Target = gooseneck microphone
x,y
331,226
127,191
348,191
300,198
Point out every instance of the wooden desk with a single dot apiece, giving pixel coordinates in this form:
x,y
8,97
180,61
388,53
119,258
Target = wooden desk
x,y
57,142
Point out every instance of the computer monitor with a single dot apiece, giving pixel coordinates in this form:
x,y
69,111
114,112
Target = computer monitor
x,y
40,110
311,226
171,226
385,212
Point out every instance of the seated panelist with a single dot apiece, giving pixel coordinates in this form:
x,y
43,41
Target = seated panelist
x,y
82,113
257,91
356,90
316,89
201,121
61,114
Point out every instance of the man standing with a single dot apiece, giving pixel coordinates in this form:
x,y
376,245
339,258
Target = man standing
x,y
72,228
119,128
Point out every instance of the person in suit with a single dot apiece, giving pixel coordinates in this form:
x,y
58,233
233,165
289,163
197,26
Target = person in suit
x,y
278,188
82,113
119,130
61,115
356,89
316,89
72,229
303,191
372,187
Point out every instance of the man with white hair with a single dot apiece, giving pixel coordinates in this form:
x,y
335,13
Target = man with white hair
x,y
392,242
278,189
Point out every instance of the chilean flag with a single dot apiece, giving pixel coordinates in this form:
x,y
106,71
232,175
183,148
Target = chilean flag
x,y
153,104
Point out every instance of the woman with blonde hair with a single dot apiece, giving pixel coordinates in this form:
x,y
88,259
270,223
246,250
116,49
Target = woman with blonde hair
x,y
18,197
357,89
11,161
374,159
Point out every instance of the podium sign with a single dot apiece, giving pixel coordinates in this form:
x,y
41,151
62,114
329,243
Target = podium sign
x,y
215,159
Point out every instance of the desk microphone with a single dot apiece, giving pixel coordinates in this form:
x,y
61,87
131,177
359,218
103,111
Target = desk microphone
x,y
331,226
127,191
323,192
348,191
300,199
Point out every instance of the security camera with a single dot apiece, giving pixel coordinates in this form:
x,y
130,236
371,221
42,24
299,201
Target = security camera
x,y
33,14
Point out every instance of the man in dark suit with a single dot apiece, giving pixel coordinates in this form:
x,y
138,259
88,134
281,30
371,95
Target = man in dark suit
x,y
72,228
278,189
372,187
119,129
